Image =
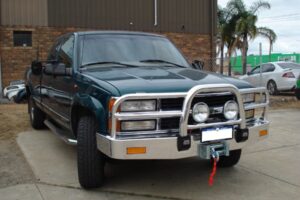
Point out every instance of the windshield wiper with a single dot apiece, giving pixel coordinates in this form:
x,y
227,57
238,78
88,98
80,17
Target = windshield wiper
x,y
107,62
161,61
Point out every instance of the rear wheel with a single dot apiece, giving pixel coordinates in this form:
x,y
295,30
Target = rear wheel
x,y
231,160
37,116
298,94
90,161
272,88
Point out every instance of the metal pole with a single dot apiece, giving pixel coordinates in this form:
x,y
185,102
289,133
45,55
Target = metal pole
x,y
260,56
261,78
155,13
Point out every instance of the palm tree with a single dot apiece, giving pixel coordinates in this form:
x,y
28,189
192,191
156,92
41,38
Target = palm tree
x,y
271,36
223,17
246,28
226,36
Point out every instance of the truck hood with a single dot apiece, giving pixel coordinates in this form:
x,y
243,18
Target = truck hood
x,y
159,79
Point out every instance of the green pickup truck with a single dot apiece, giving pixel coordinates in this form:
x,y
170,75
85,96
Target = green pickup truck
x,y
133,96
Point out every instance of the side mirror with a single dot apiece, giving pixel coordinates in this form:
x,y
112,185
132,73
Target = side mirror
x,y
58,69
36,67
197,64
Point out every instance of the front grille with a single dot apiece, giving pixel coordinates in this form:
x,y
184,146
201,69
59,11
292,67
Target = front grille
x,y
169,123
176,104
211,101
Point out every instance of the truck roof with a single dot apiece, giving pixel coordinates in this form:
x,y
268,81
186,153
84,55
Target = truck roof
x,y
117,33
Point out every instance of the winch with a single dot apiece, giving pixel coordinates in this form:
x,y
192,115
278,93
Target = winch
x,y
208,151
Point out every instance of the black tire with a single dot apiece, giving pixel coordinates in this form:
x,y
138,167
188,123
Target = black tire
x,y
272,88
90,161
37,116
297,93
231,160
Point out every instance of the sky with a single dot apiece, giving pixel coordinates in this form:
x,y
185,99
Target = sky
x,y
284,19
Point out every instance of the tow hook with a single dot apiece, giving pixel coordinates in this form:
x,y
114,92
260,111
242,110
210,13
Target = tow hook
x,y
214,154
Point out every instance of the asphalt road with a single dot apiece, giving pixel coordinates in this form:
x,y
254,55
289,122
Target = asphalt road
x,y
267,170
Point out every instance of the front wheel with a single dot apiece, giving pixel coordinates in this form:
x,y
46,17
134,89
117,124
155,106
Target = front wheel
x,y
90,161
231,160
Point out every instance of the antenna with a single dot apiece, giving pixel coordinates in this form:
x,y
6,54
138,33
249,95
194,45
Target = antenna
x,y
38,52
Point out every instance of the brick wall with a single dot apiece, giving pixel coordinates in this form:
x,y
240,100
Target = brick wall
x,y
15,60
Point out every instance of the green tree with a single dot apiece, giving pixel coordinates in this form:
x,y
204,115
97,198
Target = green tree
x,y
246,28
271,36
223,17
227,36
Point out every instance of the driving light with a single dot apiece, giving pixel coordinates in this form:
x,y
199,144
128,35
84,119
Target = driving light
x,y
248,98
131,106
138,125
231,110
200,112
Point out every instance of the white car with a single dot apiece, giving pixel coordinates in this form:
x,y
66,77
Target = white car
x,y
12,90
276,76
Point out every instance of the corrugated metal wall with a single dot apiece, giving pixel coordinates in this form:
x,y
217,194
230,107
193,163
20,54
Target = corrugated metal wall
x,y
192,16
24,12
104,14
184,16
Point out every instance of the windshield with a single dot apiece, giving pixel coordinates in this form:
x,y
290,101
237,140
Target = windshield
x,y
289,65
128,49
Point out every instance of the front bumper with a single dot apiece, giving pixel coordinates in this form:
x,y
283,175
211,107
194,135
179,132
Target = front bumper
x,y
174,147
166,148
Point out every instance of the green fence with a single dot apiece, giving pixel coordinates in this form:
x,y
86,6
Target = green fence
x,y
254,60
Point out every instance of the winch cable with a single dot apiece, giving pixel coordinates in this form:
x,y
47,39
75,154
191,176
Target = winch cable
x,y
215,156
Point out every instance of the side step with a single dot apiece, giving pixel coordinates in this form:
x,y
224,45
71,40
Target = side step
x,y
60,133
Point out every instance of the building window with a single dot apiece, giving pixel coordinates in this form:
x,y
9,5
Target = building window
x,y
22,38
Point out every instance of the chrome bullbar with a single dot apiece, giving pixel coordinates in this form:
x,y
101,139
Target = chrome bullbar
x,y
185,112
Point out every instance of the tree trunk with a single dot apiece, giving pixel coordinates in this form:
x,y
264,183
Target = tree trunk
x,y
244,54
229,63
222,58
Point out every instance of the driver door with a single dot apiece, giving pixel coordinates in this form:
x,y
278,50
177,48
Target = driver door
x,y
63,86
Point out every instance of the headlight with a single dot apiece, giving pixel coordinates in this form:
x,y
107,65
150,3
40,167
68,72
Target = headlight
x,y
132,106
138,125
200,112
231,110
248,98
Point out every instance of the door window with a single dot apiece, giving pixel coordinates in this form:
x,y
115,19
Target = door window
x,y
268,68
256,70
54,50
65,54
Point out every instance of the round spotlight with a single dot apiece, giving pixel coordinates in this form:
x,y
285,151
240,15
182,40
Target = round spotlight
x,y
231,110
200,112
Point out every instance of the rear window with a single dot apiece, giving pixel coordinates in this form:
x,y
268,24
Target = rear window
x,y
289,65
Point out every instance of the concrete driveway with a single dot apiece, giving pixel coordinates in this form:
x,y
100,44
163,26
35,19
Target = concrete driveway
x,y
268,170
